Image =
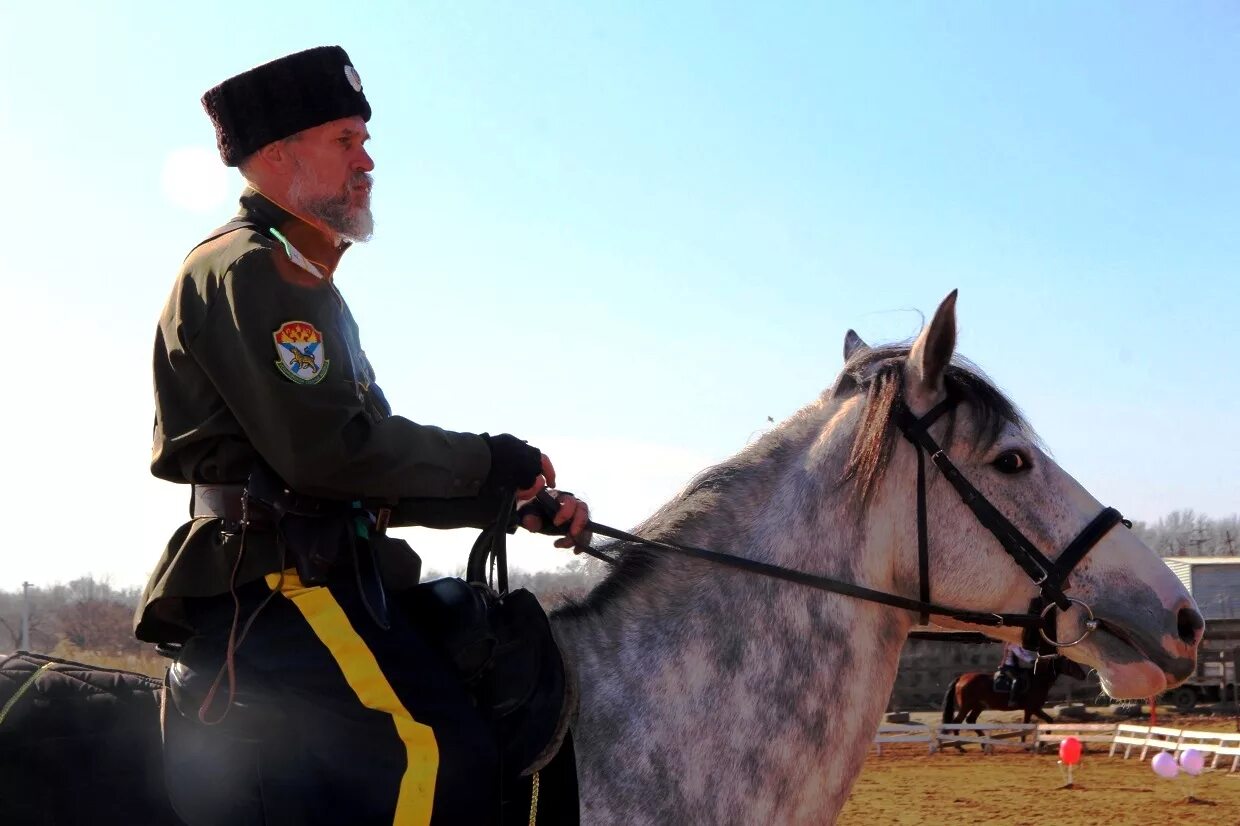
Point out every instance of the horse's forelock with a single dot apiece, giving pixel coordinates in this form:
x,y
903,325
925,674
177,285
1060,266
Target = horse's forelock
x,y
879,374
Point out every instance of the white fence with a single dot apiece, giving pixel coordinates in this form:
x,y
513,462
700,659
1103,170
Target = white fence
x,y
1038,736
1160,738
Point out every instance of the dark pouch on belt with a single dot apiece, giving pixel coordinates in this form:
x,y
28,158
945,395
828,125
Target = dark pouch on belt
x,y
315,532
399,565
316,544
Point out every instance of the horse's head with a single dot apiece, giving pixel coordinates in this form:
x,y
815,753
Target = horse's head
x,y
1148,626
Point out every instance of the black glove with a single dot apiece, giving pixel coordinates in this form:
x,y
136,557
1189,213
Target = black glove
x,y
545,505
515,464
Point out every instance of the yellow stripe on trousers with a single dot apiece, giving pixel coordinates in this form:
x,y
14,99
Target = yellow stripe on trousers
x,y
330,624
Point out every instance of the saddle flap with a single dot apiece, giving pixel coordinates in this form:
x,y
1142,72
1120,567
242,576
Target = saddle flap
x,y
530,695
504,651
455,617
524,652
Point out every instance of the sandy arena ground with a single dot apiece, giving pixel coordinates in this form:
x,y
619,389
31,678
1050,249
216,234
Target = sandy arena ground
x,y
907,786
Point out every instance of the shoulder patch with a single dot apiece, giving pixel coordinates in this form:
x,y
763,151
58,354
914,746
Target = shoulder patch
x,y
302,354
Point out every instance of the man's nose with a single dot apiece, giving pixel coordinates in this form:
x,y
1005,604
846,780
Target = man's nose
x,y
365,163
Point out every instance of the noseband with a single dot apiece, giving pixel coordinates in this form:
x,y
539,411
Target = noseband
x,y
1048,575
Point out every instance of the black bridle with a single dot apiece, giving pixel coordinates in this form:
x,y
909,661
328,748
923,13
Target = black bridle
x,y
1048,575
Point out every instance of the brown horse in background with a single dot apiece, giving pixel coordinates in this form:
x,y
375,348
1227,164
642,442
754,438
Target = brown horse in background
x,y
970,693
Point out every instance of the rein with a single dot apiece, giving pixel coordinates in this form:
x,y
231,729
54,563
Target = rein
x,y
1048,575
820,583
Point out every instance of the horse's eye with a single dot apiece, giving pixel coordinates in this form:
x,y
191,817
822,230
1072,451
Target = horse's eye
x,y
1011,461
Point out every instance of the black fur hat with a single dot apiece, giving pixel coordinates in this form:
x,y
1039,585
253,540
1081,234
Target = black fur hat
x,y
281,98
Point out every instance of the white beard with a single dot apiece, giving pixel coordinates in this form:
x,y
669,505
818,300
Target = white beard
x,y
356,224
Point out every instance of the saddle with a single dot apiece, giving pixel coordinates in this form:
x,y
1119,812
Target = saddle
x,y
502,648
1007,682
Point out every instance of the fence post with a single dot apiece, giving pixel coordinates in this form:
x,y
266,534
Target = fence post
x,y
26,586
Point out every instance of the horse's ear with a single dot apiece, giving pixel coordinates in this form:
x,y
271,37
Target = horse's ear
x,y
853,344
932,352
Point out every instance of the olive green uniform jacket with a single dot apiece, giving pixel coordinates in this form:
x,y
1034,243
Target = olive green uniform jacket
x,y
258,357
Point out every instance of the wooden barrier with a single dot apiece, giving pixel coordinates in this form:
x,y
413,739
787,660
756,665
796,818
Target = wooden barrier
x,y
1052,734
1161,738
1221,745
1228,746
902,733
987,735
1129,736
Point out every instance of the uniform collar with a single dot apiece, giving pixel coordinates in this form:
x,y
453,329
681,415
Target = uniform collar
x,y
308,240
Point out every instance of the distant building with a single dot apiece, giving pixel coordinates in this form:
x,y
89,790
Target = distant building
x,y
1214,582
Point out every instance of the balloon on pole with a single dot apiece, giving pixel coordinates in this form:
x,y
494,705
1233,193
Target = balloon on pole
x,y
1164,765
1070,751
1192,761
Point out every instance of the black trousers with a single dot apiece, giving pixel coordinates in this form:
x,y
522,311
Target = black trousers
x,y
337,721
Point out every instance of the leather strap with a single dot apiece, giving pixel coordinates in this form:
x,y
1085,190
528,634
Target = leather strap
x,y
923,528
227,502
819,582
217,502
1086,540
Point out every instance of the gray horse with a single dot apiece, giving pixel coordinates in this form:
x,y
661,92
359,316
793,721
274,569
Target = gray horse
x,y
716,696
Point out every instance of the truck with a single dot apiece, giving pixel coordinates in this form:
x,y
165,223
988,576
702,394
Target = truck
x,y
1214,682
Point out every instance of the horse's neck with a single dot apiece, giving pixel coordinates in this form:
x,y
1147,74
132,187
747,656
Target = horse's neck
x,y
717,696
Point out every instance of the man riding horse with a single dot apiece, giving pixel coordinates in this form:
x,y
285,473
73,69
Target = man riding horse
x,y
1014,672
303,691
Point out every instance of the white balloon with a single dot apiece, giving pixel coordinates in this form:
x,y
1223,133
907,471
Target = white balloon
x,y
1192,761
1164,765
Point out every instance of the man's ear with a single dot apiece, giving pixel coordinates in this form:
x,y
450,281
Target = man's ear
x,y
274,158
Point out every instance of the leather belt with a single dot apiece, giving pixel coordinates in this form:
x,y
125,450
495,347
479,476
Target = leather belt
x,y
229,502
226,502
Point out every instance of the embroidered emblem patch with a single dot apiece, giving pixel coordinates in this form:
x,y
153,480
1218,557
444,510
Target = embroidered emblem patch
x,y
302,355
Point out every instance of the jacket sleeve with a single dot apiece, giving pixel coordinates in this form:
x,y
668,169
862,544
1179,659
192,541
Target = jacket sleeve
x,y
313,428
468,512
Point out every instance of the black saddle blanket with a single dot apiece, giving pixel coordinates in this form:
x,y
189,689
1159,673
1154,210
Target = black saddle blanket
x,y
71,737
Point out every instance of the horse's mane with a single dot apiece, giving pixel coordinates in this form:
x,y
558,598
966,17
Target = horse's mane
x,y
878,372
696,501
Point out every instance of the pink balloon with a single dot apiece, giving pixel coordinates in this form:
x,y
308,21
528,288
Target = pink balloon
x,y
1164,765
1192,761
1070,751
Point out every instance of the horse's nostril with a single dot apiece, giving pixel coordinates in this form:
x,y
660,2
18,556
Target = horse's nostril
x,y
1189,624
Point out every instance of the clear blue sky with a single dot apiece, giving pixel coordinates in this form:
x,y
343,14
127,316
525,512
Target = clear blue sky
x,y
681,206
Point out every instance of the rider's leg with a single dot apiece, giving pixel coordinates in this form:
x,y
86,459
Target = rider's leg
x,y
367,725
